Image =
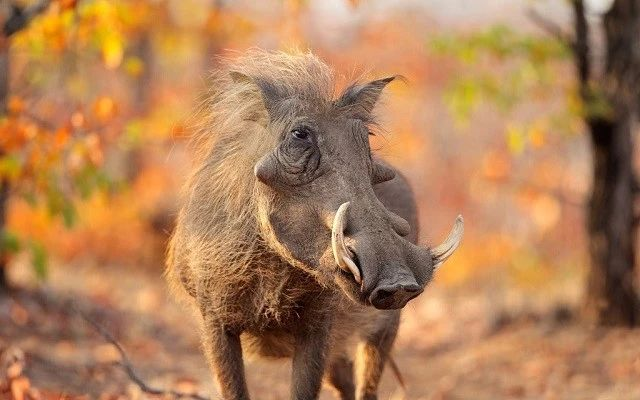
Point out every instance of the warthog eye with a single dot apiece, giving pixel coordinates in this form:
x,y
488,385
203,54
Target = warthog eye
x,y
300,133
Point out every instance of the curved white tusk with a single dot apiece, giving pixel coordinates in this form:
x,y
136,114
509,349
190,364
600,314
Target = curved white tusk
x,y
341,254
450,244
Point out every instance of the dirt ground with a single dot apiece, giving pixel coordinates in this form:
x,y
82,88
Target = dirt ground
x,y
453,344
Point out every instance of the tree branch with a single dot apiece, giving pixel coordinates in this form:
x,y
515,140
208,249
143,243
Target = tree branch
x,y
20,17
579,43
550,27
128,367
581,48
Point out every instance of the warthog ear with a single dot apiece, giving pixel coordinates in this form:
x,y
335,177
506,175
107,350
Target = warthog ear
x,y
364,95
381,173
268,91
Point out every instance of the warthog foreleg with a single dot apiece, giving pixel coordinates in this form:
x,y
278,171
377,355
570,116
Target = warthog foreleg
x,y
224,353
373,353
309,361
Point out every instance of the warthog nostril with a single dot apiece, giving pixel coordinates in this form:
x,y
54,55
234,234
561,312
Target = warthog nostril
x,y
382,295
412,292
412,288
395,295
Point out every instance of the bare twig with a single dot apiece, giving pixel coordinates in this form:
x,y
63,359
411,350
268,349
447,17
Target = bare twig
x,y
398,374
20,17
550,27
128,367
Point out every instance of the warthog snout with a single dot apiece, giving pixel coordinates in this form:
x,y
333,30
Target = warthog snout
x,y
378,265
393,295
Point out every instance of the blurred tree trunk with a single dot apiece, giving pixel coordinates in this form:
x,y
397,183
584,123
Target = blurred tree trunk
x,y
4,184
143,96
143,49
611,298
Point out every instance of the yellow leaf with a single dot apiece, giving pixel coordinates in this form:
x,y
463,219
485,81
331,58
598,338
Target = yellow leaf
x,y
112,52
515,139
51,24
134,66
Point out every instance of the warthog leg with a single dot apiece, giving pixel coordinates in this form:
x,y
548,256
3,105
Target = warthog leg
x,y
308,363
224,354
373,353
339,375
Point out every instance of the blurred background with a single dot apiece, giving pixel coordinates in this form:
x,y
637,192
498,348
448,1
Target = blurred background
x,y
502,119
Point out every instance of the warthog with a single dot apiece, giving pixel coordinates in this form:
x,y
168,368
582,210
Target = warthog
x,y
293,240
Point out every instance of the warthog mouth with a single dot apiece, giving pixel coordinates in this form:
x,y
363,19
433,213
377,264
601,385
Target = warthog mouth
x,y
389,286
346,280
378,297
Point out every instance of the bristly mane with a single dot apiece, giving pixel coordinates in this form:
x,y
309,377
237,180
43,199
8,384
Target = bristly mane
x,y
221,230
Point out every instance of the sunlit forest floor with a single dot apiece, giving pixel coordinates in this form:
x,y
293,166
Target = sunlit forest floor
x,y
453,344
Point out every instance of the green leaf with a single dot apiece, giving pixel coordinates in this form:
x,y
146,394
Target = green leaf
x,y
31,198
132,135
9,242
58,204
55,200
462,98
505,68
40,259
10,166
90,179
68,212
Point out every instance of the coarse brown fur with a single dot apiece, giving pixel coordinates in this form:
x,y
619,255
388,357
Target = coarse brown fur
x,y
219,243
251,291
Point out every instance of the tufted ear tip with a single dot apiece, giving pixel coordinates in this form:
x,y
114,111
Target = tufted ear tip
x,y
365,95
387,80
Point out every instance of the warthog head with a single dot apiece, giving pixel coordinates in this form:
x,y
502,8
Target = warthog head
x,y
318,178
